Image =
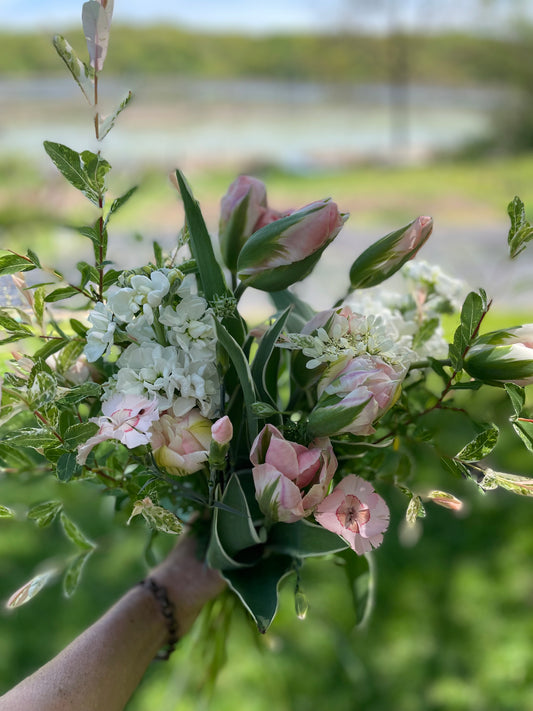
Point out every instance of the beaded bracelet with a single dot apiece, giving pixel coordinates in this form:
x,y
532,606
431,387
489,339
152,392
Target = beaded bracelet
x,y
169,613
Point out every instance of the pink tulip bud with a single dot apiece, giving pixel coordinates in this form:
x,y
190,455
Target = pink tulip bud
x,y
504,356
222,430
383,258
242,212
287,249
181,444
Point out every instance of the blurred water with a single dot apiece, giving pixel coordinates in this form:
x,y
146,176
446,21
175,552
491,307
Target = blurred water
x,y
240,122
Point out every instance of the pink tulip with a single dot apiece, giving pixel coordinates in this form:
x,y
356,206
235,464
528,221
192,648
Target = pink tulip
x,y
353,394
290,479
181,444
127,418
287,249
355,512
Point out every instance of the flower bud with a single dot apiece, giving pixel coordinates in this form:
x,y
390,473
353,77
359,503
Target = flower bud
x,y
181,444
241,208
382,259
286,250
504,356
222,430
445,499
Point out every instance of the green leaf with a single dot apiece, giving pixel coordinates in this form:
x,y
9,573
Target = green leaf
x,y
232,529
415,510
80,393
361,574
72,166
241,366
29,437
262,357
517,396
258,587
211,276
51,347
107,123
456,468
6,512
74,533
474,308
43,514
300,312
520,232
79,434
424,333
64,292
525,433
480,447
303,539
118,203
83,74
79,328
13,263
67,467
11,325
72,576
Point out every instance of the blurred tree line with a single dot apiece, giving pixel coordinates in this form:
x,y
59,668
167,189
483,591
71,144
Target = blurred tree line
x,y
446,59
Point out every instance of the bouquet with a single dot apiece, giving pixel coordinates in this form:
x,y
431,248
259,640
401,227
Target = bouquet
x,y
276,441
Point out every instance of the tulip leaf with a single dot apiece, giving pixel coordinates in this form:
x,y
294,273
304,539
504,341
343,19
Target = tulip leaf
x,y
257,587
262,356
303,539
242,369
234,525
300,313
211,276
480,447
360,570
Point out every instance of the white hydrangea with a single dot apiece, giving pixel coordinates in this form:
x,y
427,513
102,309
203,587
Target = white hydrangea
x,y
100,335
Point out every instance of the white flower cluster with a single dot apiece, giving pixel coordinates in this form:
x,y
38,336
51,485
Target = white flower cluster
x,y
172,350
383,323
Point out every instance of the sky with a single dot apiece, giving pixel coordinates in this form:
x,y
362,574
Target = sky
x,y
272,15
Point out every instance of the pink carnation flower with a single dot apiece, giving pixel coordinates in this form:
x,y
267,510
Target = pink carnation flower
x,y
127,418
355,512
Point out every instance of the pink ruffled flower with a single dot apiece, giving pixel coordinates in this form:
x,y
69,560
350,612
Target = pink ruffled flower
x,y
127,418
181,444
355,512
290,479
353,394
